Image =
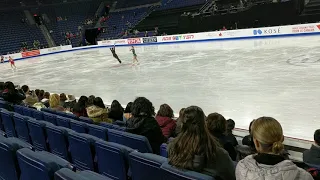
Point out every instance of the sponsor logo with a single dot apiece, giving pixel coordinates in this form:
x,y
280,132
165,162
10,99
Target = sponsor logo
x,y
305,29
134,41
266,31
149,39
54,49
178,38
30,53
121,41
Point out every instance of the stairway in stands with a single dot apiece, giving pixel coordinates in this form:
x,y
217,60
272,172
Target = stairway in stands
x,y
312,8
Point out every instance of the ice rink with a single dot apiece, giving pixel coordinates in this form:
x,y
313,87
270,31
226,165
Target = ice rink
x,y
241,79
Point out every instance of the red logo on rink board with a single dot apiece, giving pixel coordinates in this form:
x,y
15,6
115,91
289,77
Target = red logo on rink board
x,y
305,28
134,41
30,53
178,37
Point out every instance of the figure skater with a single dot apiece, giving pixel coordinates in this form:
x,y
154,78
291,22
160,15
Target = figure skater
x,y
113,50
2,59
134,55
12,63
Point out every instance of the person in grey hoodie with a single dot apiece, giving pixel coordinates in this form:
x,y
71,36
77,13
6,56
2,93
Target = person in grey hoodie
x,y
268,164
197,150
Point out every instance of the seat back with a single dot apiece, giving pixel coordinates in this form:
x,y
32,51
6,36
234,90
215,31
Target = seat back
x,y
147,163
137,142
63,121
112,159
82,150
86,120
58,141
4,104
9,168
107,125
38,134
21,126
49,117
78,126
67,174
163,150
67,115
37,114
115,136
49,110
18,109
120,123
8,123
98,131
171,173
38,165
27,111
93,176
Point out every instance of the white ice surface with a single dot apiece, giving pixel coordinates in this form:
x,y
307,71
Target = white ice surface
x,y
242,79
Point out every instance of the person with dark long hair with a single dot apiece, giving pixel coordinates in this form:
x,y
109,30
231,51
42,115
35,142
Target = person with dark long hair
x,y
197,150
116,111
79,108
165,120
143,123
11,94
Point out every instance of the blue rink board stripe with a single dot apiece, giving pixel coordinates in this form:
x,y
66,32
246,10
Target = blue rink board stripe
x,y
178,42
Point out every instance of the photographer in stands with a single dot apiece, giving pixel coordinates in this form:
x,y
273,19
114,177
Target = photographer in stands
x,y
11,94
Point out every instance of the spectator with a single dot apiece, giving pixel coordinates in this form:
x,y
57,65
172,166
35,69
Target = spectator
x,y
197,150
54,101
143,123
90,100
179,122
63,99
70,102
247,140
37,91
79,108
217,126
45,99
127,111
31,98
268,163
312,156
230,136
41,94
116,111
98,112
165,121
11,94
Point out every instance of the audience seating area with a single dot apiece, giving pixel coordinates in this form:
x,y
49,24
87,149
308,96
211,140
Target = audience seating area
x,y
55,145
173,4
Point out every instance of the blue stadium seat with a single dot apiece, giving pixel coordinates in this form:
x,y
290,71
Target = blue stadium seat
x,y
49,110
140,143
147,163
78,126
107,125
21,126
58,141
27,111
120,123
9,169
98,131
37,114
18,109
67,174
171,173
115,136
49,117
2,133
4,104
39,165
8,123
82,150
163,150
119,128
112,159
63,121
67,115
38,134
86,120
93,176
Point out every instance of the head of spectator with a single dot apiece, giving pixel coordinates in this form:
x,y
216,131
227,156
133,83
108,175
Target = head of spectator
x,y
11,94
116,111
165,111
70,102
98,102
165,120
46,95
142,107
9,86
37,91
127,111
79,108
311,156
90,100
31,97
248,140
230,125
179,122
316,137
41,94
25,89
98,112
63,99
54,102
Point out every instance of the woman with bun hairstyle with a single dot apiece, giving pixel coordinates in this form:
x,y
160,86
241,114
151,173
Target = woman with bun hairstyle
x,y
268,163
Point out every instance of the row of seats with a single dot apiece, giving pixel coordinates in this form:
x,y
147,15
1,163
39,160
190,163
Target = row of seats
x,y
107,158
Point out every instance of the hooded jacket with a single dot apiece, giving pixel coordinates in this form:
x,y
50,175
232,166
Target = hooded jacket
x,y
250,169
15,97
98,114
167,125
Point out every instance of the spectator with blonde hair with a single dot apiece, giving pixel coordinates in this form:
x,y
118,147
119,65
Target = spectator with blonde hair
x,y
268,163
54,102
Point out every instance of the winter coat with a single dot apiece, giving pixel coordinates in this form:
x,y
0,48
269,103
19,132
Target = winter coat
x,y
269,167
148,127
226,144
98,114
30,100
232,139
167,125
115,115
312,156
15,97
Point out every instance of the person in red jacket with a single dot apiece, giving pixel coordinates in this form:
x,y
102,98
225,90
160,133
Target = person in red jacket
x,y
165,120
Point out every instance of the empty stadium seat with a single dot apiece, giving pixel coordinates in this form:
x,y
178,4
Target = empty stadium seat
x,y
93,176
39,165
49,117
115,136
38,134
82,150
140,143
163,150
120,123
63,121
58,141
37,114
49,110
112,159
67,174
9,169
78,126
8,123
147,163
4,104
18,109
171,173
107,125
21,127
27,111
98,131
86,120
67,115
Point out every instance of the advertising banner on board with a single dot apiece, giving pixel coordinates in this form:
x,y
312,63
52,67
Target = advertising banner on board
x,y
149,39
30,53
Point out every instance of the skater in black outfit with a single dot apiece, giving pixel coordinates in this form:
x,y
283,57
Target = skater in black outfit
x,y
113,50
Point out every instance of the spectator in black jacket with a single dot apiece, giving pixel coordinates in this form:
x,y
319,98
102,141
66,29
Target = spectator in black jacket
x,y
312,156
11,94
116,111
217,125
143,123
